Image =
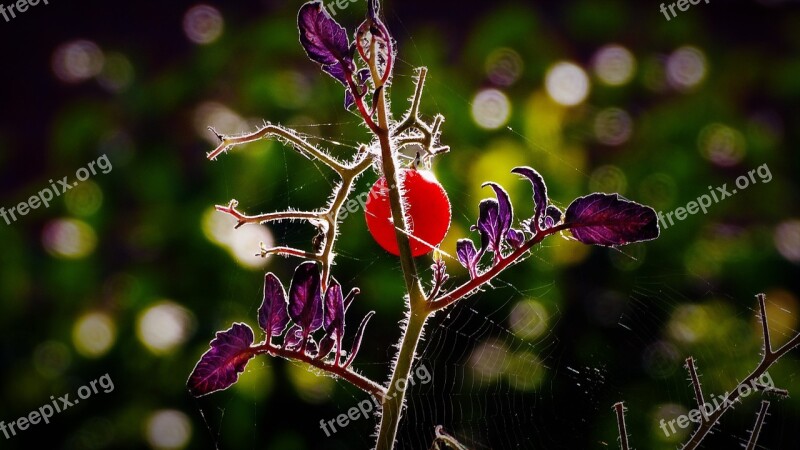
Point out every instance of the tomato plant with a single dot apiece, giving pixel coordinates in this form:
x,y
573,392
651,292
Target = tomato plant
x,y
427,212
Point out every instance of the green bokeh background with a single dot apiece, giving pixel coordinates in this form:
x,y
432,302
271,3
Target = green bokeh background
x,y
617,325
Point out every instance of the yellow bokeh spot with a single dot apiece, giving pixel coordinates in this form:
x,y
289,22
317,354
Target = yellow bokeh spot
x,y
93,334
782,311
565,252
310,385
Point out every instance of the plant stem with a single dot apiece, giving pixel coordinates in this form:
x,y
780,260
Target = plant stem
x,y
333,370
393,401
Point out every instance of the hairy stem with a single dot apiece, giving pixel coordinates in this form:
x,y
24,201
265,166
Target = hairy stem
x,y
447,299
333,370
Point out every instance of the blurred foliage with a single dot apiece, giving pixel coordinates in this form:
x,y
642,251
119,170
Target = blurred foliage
x,y
132,273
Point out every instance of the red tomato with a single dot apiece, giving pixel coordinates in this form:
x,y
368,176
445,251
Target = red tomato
x,y
427,212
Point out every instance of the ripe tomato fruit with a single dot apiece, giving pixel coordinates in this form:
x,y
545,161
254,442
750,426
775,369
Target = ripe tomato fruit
x,y
427,212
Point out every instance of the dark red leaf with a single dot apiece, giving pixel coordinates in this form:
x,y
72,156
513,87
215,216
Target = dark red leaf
x,y
325,41
272,315
608,219
220,366
539,193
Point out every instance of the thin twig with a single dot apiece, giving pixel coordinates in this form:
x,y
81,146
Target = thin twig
x,y
288,251
303,146
621,428
698,390
768,359
762,299
269,217
762,414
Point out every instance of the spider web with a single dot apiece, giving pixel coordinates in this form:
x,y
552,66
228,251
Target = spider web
x,y
490,402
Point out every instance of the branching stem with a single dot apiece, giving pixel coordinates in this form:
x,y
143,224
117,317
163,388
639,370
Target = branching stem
x,y
332,370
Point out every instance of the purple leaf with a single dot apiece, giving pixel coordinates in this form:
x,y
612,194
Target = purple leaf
x,y
489,225
293,339
350,297
305,300
272,315
468,256
334,307
515,238
552,217
305,297
539,193
220,366
333,322
608,219
325,41
505,210
357,340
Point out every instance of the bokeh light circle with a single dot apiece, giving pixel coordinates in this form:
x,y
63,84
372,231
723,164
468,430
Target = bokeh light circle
x,y
69,238
686,68
77,61
567,83
203,24
93,334
491,109
164,326
613,126
787,240
168,430
721,144
504,67
614,65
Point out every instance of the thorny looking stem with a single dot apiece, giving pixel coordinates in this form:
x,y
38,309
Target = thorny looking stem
x,y
346,373
768,358
762,415
623,432
328,218
698,391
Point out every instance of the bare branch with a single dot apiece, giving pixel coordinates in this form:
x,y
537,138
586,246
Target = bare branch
x,y
698,391
269,217
286,134
764,324
621,428
287,251
768,359
762,414
772,390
